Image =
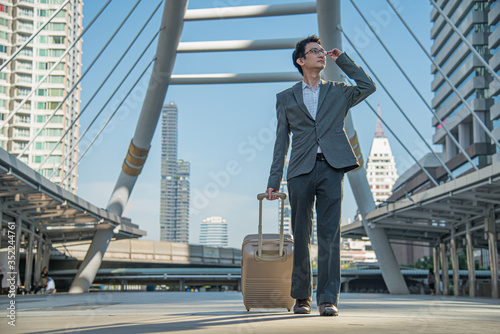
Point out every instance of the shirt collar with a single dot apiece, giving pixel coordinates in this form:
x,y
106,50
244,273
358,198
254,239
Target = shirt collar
x,y
305,85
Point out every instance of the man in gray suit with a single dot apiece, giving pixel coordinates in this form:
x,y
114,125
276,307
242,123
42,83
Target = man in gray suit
x,y
313,111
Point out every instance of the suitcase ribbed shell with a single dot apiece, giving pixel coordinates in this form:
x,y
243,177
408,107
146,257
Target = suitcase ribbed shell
x,y
266,281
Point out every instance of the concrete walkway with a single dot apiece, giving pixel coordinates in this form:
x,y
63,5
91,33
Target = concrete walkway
x,y
214,312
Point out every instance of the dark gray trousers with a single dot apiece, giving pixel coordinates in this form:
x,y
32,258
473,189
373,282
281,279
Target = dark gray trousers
x,y
325,184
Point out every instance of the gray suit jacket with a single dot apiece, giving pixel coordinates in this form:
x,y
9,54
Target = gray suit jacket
x,y
335,100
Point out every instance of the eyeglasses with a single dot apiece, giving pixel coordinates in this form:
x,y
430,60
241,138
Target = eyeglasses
x,y
316,52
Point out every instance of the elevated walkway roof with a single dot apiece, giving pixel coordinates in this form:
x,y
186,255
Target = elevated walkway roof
x,y
57,213
434,215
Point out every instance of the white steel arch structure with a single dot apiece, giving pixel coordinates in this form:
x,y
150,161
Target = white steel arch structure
x,y
174,14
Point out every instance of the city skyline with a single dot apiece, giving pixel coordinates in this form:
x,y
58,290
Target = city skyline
x,y
228,130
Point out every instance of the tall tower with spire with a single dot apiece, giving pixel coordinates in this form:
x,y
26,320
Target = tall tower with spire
x,y
381,169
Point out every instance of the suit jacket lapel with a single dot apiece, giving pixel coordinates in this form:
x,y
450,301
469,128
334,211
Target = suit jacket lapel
x,y
299,97
323,90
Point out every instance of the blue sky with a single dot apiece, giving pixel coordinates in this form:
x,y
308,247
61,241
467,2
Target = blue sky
x,y
222,126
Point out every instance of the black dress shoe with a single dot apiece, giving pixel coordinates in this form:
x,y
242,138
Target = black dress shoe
x,y
328,309
302,306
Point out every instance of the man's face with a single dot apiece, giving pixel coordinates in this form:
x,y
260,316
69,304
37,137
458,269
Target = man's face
x,y
314,58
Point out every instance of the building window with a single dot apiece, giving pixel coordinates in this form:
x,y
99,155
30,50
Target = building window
x,y
48,66
3,35
54,159
3,49
51,2
24,65
49,12
55,79
481,6
21,132
26,12
55,26
26,52
22,91
23,119
22,78
26,25
4,22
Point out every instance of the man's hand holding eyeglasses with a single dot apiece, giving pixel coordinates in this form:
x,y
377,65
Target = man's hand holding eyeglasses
x,y
334,54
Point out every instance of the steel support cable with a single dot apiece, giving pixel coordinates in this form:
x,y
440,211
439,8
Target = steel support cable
x,y
397,105
33,36
481,123
75,85
414,87
462,37
12,113
107,122
452,137
104,106
399,141
102,84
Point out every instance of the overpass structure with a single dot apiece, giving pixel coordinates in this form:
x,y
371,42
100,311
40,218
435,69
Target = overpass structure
x,y
440,217
464,211
35,213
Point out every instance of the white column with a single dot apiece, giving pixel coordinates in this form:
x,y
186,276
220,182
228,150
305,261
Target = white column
x,y
455,265
444,268
19,222
46,255
471,265
437,285
331,37
28,271
493,250
38,260
168,40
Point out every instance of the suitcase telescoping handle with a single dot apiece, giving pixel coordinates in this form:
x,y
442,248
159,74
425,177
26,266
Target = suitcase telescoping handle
x,y
260,197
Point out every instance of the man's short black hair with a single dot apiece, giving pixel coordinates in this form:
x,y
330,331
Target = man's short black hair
x,y
300,49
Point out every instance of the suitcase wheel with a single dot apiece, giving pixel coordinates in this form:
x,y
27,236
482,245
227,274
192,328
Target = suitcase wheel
x,y
248,310
289,309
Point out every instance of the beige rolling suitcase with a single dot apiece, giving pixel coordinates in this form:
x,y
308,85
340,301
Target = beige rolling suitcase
x,y
266,266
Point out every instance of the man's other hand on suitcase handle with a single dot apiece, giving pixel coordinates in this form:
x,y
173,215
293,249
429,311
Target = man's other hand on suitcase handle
x,y
269,192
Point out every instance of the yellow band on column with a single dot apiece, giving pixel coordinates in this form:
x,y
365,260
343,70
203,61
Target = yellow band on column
x,y
357,149
138,152
129,170
135,159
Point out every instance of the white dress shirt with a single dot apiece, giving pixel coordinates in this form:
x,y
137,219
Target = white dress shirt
x,y
310,96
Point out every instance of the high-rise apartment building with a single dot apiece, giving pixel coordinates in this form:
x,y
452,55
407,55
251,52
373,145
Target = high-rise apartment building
x,y
494,62
174,199
24,108
287,217
471,79
478,23
381,169
213,232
